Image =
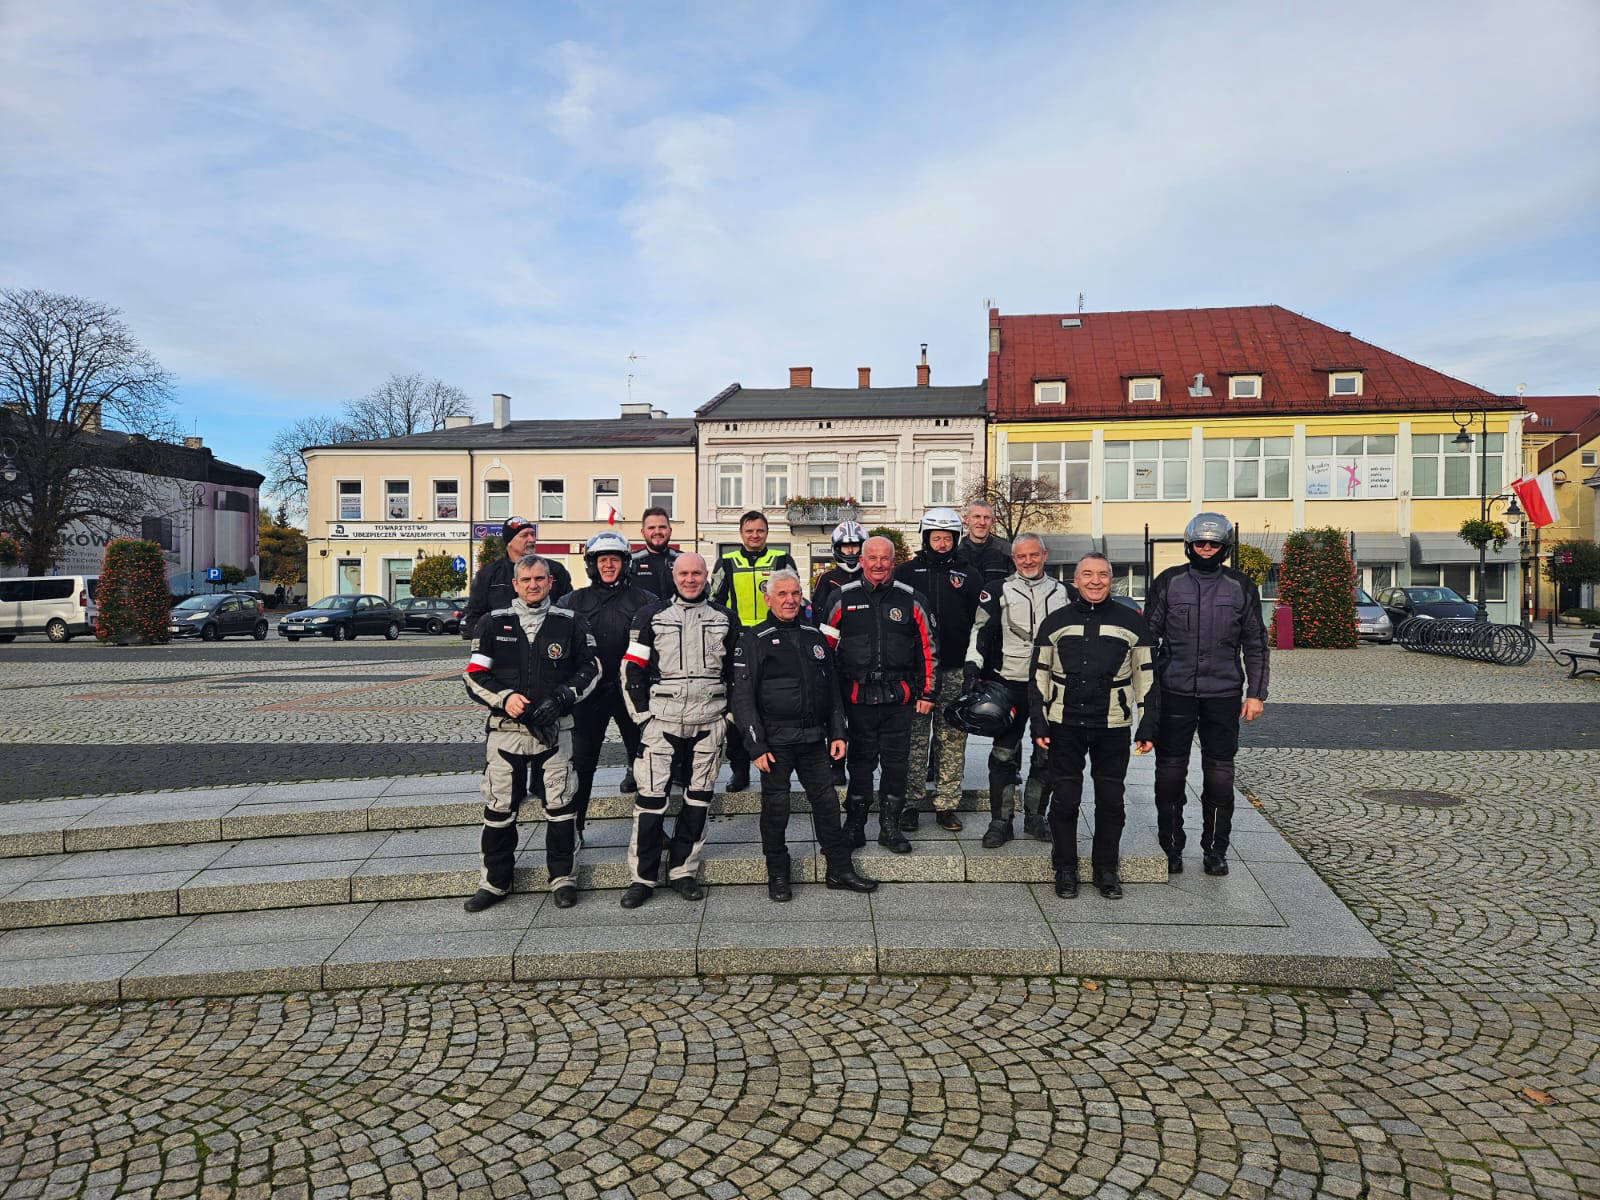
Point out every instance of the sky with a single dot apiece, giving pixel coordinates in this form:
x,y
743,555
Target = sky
x,y
291,202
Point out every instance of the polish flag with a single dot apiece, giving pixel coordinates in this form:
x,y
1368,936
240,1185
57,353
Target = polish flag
x,y
612,520
1538,498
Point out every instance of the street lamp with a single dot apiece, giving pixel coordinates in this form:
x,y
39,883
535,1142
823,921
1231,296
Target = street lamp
x,y
8,460
197,501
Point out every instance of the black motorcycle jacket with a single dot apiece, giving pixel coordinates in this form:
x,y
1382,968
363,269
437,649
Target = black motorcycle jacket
x,y
784,690
991,558
1210,638
559,655
951,589
608,610
1091,665
652,571
885,644
492,590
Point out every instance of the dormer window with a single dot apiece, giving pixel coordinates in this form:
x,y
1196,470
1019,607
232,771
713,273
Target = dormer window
x,y
1143,389
1344,383
1244,387
1050,391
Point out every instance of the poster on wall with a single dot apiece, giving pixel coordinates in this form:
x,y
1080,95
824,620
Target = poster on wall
x,y
1319,479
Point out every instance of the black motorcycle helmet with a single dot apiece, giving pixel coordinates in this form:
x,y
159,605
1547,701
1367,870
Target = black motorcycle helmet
x,y
986,710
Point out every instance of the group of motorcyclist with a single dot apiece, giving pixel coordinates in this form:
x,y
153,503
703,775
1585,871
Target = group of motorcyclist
x,y
873,685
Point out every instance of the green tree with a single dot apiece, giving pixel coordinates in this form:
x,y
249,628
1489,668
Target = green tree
x,y
1318,584
901,553
231,575
437,576
282,548
1583,567
132,597
490,550
1255,562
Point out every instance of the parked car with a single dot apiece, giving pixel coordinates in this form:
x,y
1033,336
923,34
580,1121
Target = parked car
x,y
210,618
1372,622
1428,603
58,606
432,614
342,618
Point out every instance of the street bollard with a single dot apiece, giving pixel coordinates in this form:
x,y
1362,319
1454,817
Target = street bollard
x,y
1283,627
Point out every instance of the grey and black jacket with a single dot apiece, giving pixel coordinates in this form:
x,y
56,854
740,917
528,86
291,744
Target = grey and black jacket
x,y
492,591
1009,616
1091,667
536,650
784,690
1210,638
679,662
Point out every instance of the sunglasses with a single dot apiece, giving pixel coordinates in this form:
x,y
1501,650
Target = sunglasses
x,y
1210,545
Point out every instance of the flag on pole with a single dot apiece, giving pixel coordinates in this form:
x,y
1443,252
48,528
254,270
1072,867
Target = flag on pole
x,y
612,520
1537,496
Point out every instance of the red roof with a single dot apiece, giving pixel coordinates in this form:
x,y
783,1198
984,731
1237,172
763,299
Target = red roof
x,y
1293,355
1560,414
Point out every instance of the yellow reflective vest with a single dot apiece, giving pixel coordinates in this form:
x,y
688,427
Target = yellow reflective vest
x,y
739,582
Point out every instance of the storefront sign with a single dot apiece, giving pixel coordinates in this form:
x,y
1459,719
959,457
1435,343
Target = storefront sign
x,y
398,531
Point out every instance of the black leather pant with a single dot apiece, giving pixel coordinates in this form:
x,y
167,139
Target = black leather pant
x,y
1216,720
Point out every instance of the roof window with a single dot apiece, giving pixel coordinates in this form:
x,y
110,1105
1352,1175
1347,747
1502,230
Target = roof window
x,y
1144,388
1344,383
1050,391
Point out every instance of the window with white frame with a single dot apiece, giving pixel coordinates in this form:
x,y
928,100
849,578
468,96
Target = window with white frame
x,y
349,499
1350,467
1587,458
552,499
1247,468
1244,387
943,479
607,498
774,483
397,499
496,499
1441,467
1344,383
730,485
822,476
1064,465
1050,391
874,479
1142,389
1463,579
662,493
1153,470
446,499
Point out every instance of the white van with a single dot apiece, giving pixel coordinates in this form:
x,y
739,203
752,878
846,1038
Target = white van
x,y
58,606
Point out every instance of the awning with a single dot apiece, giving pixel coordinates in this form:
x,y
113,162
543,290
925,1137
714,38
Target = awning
x,y
1434,549
1066,547
1123,549
1270,544
1386,547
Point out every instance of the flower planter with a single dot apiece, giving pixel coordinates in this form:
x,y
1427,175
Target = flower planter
x,y
820,514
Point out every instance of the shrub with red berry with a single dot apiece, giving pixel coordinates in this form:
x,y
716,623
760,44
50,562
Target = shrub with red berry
x,y
1318,584
132,595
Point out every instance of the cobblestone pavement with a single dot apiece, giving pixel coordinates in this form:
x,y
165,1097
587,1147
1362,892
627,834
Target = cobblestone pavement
x,y
1477,1076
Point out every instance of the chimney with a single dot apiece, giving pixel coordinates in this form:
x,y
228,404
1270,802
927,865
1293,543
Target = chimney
x,y
458,422
193,443
89,415
502,410
864,377
923,369
799,376
636,409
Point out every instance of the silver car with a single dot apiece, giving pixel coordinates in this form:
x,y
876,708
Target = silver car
x,y
1372,622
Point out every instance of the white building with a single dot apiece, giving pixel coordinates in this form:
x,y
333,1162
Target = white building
x,y
805,455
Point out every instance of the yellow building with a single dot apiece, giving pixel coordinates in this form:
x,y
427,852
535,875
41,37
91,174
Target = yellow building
x,y
1567,445
375,507
1143,419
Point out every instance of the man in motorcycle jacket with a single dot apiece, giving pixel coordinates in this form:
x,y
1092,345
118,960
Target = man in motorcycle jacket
x,y
848,538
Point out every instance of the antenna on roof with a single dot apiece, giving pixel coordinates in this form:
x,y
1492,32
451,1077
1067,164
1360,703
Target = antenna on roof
x,y
632,358
1080,301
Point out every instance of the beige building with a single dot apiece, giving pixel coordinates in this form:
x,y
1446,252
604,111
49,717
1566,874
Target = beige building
x,y
375,507
808,457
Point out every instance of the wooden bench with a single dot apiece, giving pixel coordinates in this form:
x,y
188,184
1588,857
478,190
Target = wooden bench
x,y
1574,657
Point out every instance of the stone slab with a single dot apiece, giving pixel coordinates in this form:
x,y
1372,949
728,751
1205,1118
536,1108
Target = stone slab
x,y
15,871
100,938
1265,846
24,838
117,831
408,918
332,789
85,901
787,948
403,811
967,947
148,860
1162,904
290,819
408,843
745,905
85,979
638,950
394,961
928,863
416,878
604,908
279,885
331,921
229,970
743,862
436,785
1000,903
331,847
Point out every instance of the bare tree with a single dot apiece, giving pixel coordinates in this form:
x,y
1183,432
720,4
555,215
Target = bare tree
x,y
70,369
1021,503
400,405
286,458
405,404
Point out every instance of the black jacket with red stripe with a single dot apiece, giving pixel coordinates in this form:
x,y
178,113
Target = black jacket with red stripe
x,y
885,642
951,587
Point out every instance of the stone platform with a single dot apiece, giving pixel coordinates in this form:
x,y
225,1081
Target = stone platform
x,y
358,883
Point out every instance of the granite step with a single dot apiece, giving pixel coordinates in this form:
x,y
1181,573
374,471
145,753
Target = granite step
x,y
286,810
437,861
1271,921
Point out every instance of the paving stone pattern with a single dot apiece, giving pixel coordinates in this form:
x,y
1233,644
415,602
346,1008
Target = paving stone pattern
x,y
1477,1075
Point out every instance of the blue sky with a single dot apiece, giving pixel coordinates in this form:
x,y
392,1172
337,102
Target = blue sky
x,y
290,202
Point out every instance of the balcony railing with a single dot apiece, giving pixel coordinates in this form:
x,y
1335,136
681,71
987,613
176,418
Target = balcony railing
x,y
823,511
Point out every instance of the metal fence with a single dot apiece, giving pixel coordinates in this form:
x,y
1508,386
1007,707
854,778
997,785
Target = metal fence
x,y
1504,645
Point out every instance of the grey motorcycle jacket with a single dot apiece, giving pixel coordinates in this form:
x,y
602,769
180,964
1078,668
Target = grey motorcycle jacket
x,y
679,662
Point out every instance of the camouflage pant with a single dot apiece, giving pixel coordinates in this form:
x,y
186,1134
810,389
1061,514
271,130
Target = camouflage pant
x,y
937,743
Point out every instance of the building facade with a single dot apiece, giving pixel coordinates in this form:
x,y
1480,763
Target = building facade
x,y
1567,446
1143,419
808,457
375,507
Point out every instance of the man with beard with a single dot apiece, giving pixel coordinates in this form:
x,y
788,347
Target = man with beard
x,y
652,562
491,586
